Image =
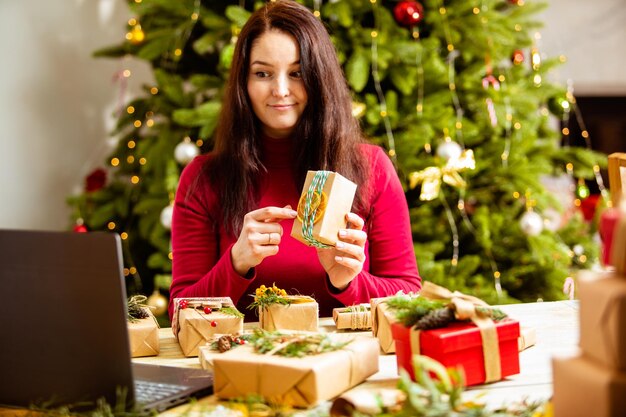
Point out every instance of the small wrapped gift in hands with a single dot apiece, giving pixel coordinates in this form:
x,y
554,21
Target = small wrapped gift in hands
x,y
197,320
458,330
143,328
325,201
279,311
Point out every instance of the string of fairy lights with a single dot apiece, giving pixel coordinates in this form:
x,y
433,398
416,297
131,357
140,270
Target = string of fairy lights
x,y
136,35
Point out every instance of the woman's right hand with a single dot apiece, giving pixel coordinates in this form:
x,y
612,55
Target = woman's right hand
x,y
259,238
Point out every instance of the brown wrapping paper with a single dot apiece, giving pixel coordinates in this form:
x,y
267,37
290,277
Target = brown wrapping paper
x,y
603,318
194,328
583,388
358,317
301,314
297,382
143,337
381,324
368,402
527,338
336,201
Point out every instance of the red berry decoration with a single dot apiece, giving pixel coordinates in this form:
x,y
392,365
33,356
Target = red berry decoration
x,y
183,303
80,228
408,13
213,323
207,310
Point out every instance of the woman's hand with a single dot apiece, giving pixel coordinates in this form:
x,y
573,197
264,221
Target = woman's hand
x,y
259,238
344,262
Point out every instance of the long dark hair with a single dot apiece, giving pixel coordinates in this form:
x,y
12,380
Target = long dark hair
x,y
327,136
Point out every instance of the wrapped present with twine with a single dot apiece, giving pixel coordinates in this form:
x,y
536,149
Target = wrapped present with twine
x,y
278,310
196,320
458,330
382,318
297,370
325,201
143,328
602,298
356,317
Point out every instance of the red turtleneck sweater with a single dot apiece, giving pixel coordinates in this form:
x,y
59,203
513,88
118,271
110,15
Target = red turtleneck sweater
x,y
201,247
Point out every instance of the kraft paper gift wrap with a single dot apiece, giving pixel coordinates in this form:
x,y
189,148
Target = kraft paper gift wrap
x,y
143,335
297,382
584,388
357,317
382,317
603,317
301,314
194,328
327,207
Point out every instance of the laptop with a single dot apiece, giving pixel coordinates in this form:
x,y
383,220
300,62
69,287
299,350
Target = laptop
x,y
64,331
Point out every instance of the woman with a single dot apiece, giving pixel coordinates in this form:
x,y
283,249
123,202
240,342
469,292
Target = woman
x,y
286,110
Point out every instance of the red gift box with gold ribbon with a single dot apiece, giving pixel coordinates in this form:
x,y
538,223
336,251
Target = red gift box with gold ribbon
x,y
484,350
460,345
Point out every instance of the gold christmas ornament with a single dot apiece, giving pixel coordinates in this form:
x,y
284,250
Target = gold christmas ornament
x,y
431,177
157,303
136,35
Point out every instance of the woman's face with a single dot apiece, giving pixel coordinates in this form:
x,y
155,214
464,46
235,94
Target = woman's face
x,y
275,84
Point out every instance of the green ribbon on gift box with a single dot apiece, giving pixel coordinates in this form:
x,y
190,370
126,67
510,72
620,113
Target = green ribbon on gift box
x,y
316,187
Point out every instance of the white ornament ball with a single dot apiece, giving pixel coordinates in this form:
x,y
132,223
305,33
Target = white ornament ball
x,y
166,216
578,249
449,150
553,219
185,152
531,223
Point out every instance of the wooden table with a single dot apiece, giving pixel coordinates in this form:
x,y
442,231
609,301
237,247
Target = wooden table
x,y
555,323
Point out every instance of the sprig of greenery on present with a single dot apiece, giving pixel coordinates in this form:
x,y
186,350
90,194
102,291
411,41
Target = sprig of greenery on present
x,y
137,308
413,311
267,296
293,345
231,311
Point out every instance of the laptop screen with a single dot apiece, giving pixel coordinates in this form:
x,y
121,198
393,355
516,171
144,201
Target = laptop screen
x,y
63,305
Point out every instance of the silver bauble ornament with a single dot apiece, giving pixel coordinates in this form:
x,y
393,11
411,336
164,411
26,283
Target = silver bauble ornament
x,y
185,152
166,216
553,219
578,249
531,223
157,303
449,150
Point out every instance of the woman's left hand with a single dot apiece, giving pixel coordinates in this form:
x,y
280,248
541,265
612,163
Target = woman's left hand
x,y
345,261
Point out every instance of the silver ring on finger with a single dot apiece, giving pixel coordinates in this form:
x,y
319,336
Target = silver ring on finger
x,y
269,239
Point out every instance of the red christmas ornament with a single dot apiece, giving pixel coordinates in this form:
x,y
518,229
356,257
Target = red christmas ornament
x,y
518,57
80,228
207,310
588,206
408,13
95,180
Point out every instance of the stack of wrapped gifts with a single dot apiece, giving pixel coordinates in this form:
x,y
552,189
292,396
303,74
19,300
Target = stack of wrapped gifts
x,y
594,382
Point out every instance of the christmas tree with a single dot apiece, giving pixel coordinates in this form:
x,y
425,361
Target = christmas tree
x,y
456,91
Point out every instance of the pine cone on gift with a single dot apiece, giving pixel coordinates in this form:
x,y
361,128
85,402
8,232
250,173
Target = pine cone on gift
x,y
434,319
224,343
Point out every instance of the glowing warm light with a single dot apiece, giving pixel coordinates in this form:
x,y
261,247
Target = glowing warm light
x,y
124,235
142,161
137,123
131,144
130,159
134,179
115,162
111,225
154,90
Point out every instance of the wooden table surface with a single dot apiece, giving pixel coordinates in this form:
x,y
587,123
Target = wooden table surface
x,y
555,323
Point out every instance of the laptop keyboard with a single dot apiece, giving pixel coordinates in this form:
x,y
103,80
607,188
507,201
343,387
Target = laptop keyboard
x,y
147,392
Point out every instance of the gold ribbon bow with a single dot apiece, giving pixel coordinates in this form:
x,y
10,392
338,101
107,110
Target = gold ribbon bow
x,y
465,309
431,177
